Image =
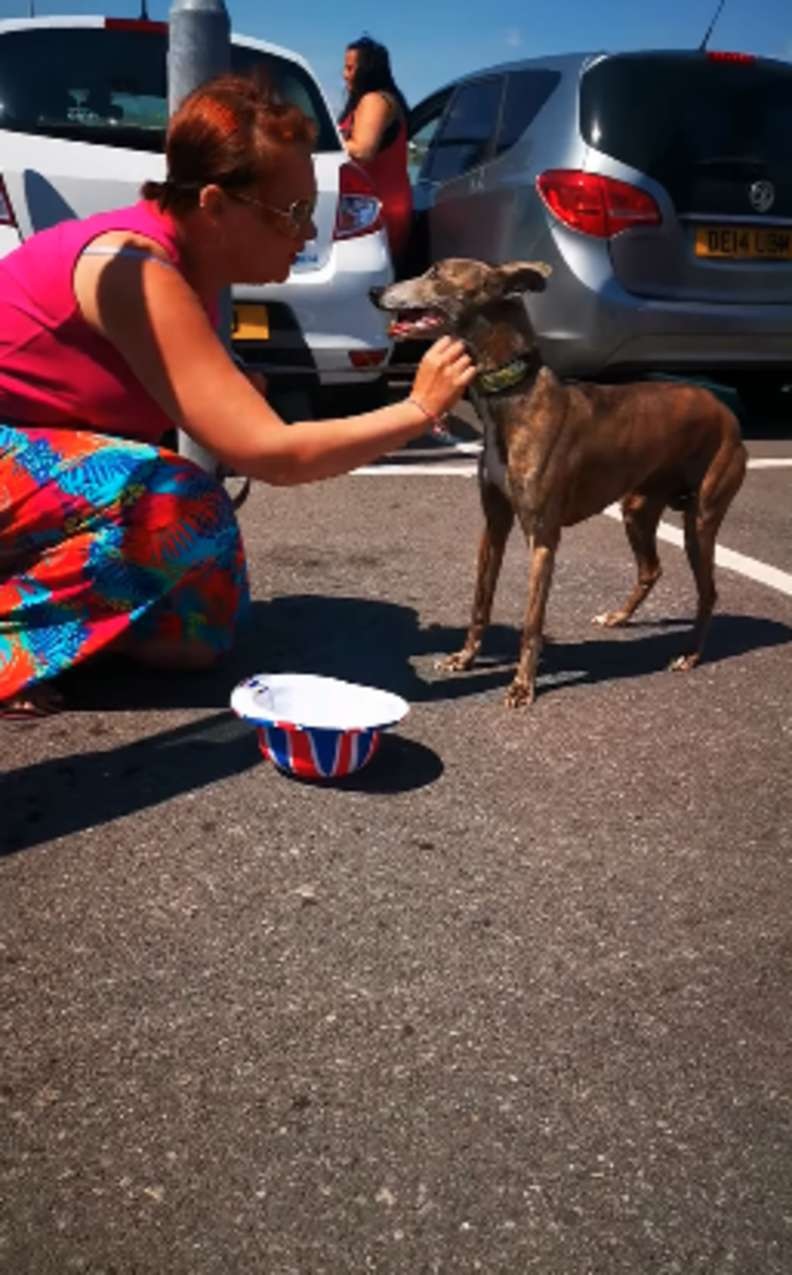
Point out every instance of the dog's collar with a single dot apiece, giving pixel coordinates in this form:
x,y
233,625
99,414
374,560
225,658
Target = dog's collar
x,y
505,377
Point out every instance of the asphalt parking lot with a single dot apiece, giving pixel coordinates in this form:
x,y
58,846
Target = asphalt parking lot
x,y
515,998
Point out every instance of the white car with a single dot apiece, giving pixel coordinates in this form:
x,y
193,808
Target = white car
x,y
83,108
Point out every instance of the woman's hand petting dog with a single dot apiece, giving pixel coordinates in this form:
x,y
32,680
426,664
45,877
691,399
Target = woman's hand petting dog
x,y
443,375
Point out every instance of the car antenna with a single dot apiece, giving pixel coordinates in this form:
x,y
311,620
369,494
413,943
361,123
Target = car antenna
x,y
703,44
144,14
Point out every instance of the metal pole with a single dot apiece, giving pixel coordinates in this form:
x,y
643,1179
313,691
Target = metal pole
x,y
199,47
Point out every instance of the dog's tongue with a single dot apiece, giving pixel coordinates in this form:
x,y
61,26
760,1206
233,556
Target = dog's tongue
x,y
418,323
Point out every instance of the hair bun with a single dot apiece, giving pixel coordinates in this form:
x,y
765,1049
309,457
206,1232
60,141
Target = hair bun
x,y
153,190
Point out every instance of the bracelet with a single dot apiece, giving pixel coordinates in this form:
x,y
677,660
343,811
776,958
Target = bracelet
x,y
437,423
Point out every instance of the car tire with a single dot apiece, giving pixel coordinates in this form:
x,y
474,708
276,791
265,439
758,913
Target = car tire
x,y
352,400
765,395
292,404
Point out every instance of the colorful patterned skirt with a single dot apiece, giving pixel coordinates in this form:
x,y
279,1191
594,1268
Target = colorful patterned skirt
x,y
102,537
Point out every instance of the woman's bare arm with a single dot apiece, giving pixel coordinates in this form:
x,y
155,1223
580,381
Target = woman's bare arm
x,y
154,319
373,114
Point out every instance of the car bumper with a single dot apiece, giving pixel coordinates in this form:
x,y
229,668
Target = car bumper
x,y
330,316
587,324
666,337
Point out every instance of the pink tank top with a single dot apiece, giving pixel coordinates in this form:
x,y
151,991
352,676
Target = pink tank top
x,y
54,369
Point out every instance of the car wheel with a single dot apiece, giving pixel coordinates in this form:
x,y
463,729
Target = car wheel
x,y
765,395
352,400
293,404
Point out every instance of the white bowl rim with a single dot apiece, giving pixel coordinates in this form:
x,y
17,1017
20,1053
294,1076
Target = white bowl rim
x,y
309,701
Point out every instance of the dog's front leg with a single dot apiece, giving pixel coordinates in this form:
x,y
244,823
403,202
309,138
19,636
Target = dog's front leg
x,y
499,518
522,689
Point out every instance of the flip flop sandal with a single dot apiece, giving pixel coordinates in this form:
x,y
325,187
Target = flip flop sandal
x,y
34,707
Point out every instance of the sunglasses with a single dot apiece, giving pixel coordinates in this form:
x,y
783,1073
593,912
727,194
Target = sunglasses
x,y
298,216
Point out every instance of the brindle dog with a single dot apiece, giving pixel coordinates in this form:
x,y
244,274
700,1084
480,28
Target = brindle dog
x,y
555,453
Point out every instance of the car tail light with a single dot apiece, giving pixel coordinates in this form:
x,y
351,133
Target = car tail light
x,y
596,205
717,55
359,210
7,215
367,358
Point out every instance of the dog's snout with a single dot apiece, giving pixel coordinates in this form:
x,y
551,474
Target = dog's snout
x,y
375,294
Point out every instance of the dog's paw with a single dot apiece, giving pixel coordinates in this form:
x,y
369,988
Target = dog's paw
x,y
684,663
610,619
460,662
519,695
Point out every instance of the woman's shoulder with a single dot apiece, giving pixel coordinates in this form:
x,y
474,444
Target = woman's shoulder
x,y
138,242
381,95
138,221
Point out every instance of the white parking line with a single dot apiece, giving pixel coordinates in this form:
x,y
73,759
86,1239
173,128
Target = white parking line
x,y
468,471
729,559
445,471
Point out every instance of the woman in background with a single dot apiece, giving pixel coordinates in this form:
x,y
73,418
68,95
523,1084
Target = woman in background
x,y
373,123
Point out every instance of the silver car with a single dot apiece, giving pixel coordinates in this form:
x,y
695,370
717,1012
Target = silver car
x,y
657,185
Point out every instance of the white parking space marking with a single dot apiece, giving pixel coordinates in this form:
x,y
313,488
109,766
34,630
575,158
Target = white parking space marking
x,y
771,462
378,471
729,559
469,471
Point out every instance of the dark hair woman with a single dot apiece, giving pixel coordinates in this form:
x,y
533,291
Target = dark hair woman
x,y
107,342
373,122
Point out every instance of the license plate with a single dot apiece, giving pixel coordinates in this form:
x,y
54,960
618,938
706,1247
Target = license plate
x,y
250,323
744,243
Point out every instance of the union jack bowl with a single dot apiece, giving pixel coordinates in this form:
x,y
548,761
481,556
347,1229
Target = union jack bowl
x,y
316,727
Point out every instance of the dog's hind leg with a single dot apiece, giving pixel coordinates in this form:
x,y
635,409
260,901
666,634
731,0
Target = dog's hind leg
x,y
702,523
498,521
700,550
641,515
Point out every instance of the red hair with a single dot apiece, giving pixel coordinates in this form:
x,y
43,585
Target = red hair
x,y
227,133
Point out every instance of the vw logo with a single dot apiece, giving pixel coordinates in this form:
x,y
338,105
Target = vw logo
x,y
762,196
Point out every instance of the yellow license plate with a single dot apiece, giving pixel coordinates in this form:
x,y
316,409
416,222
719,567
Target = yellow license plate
x,y
250,323
744,243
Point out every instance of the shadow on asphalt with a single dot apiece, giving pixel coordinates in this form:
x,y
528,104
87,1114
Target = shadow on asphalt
x,y
624,653
374,642
358,639
371,642
316,634
88,790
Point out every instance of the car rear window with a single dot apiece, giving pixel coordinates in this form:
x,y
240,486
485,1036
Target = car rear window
x,y
701,125
109,86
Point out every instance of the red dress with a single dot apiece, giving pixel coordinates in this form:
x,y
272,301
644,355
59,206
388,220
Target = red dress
x,y
388,172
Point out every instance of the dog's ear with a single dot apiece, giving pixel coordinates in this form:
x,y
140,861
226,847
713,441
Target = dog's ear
x,y
521,276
